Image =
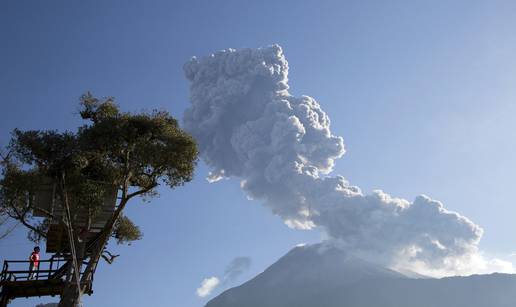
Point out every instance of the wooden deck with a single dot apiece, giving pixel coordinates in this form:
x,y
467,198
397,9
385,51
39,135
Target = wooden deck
x,y
49,280
29,288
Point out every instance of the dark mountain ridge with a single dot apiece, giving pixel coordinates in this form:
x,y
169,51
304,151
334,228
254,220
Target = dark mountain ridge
x,y
315,276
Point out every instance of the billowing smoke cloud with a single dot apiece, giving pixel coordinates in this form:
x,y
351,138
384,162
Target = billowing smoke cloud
x,y
236,268
282,149
233,270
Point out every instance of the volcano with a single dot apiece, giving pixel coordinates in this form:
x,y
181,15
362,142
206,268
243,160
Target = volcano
x,y
321,276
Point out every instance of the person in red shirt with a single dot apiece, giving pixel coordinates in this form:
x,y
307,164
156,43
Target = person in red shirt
x,y
34,262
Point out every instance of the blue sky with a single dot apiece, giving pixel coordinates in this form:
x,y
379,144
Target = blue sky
x,y
423,94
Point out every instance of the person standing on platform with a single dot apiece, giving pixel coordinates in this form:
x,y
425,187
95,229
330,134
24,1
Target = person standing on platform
x,y
34,262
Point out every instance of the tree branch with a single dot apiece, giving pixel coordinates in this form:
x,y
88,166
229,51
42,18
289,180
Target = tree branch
x,y
109,257
8,231
41,210
5,156
142,191
21,217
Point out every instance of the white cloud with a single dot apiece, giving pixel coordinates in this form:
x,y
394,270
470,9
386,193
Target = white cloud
x,y
233,270
474,263
282,150
207,286
500,266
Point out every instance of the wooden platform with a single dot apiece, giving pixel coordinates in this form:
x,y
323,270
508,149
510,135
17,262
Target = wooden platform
x,y
30,288
48,280
57,238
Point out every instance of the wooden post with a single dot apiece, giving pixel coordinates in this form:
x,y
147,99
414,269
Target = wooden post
x,y
50,268
4,300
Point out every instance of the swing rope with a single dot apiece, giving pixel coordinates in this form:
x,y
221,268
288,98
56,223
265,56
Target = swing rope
x,y
70,236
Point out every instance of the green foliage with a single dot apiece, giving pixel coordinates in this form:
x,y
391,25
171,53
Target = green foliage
x,y
16,188
125,231
133,152
96,110
148,147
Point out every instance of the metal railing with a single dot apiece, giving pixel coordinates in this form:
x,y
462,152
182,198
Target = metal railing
x,y
20,270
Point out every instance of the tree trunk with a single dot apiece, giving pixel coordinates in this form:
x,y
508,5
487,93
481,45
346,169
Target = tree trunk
x,y
4,301
71,296
103,240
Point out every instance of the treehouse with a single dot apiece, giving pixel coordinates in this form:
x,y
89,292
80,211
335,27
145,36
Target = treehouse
x,y
88,224
49,278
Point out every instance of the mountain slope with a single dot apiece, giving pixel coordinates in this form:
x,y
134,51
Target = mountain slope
x,y
312,276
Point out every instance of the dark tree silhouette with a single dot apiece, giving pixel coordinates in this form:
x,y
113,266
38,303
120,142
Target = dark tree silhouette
x,y
133,153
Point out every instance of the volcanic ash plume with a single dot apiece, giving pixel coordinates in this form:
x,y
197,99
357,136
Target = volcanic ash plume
x,y
281,148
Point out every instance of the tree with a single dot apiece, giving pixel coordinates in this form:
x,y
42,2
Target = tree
x,y
135,153
4,217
